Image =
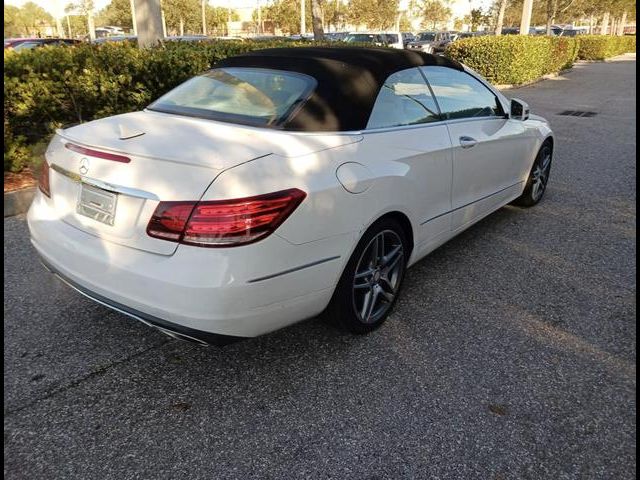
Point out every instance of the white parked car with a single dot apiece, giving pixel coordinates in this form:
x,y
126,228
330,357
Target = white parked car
x,y
281,184
378,39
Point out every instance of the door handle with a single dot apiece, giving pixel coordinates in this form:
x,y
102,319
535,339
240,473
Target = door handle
x,y
467,142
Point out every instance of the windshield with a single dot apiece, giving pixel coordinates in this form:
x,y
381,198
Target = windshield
x,y
251,96
427,37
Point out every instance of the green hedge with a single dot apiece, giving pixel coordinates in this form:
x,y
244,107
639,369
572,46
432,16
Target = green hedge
x,y
599,47
515,59
53,87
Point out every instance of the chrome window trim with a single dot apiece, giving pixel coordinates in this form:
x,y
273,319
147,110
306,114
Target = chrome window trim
x,y
131,192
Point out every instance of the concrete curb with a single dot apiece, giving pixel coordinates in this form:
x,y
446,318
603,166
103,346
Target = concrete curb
x,y
18,202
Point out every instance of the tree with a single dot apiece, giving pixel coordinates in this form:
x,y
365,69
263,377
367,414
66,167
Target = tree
x,y
181,16
478,17
375,14
116,13
12,21
217,18
30,20
334,13
433,12
85,8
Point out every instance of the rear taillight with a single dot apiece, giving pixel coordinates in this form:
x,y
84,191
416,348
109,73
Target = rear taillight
x,y
223,223
43,181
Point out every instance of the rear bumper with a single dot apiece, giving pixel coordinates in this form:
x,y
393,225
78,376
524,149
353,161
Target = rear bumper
x,y
168,328
236,292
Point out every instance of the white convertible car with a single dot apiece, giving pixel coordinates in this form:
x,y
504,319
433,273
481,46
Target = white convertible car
x,y
282,184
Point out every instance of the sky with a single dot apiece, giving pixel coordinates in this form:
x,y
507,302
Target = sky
x,y
56,7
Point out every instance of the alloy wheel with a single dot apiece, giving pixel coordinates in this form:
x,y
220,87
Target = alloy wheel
x,y
377,276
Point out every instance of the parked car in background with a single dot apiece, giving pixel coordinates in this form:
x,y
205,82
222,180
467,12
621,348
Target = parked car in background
x,y
335,36
41,42
265,191
393,39
407,37
115,38
187,38
12,42
379,39
430,42
306,36
374,39
572,32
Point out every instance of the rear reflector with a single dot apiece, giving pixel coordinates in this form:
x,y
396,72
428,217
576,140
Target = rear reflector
x,y
223,223
43,181
95,153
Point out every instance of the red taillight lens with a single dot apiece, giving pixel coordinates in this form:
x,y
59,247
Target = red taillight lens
x,y
223,223
96,153
43,182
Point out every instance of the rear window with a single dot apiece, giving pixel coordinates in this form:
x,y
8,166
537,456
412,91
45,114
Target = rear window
x,y
252,96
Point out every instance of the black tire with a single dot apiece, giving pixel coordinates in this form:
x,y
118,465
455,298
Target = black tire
x,y
346,309
538,178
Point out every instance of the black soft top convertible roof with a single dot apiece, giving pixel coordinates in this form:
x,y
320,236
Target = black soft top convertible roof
x,y
349,79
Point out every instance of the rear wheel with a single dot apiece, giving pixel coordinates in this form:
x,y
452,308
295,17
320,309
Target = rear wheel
x,y
538,178
371,281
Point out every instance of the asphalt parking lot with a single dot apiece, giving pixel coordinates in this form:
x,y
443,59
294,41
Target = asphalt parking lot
x,y
511,354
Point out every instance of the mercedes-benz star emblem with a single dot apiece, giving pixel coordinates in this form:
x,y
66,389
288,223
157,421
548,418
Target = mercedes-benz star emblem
x,y
84,166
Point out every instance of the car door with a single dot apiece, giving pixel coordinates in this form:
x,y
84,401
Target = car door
x,y
408,144
488,148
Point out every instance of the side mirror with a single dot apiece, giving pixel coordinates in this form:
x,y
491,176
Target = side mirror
x,y
519,110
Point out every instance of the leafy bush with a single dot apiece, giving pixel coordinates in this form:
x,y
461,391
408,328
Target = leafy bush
x,y
599,47
514,59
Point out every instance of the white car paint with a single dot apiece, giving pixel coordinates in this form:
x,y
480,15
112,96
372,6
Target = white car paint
x,y
350,178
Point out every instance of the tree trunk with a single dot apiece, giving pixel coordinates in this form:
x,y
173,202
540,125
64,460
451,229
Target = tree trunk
x,y
503,6
181,26
605,24
552,11
149,22
591,25
69,27
316,19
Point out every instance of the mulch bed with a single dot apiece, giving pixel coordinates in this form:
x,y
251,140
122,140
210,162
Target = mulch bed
x,y
18,181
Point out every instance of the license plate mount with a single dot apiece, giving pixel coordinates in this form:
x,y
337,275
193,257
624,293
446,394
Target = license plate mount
x,y
97,204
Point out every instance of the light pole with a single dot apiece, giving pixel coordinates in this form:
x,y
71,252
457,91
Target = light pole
x,y
204,18
133,16
303,18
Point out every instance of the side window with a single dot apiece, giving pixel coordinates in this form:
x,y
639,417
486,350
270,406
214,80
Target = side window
x,y
460,95
404,99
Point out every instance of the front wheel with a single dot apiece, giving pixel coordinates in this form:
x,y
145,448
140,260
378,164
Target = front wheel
x,y
371,281
538,178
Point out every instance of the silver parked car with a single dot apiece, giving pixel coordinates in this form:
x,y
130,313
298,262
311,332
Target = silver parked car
x,y
431,42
